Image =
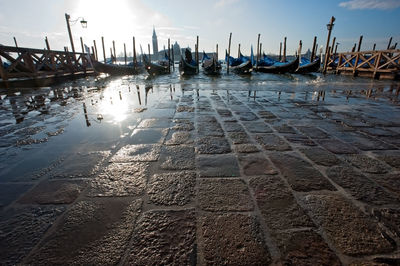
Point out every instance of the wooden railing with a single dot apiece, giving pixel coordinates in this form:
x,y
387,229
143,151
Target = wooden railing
x,y
367,63
32,63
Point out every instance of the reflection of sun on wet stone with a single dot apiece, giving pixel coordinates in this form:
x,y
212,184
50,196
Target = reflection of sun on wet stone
x,y
224,195
148,136
90,233
305,248
224,165
120,179
232,239
164,237
177,157
137,153
80,165
212,145
349,229
272,142
154,123
175,188
277,205
179,137
54,192
21,229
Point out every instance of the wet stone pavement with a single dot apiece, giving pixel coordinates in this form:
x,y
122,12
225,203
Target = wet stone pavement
x,y
219,178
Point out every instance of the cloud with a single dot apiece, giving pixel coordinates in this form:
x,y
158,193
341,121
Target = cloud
x,y
223,3
370,4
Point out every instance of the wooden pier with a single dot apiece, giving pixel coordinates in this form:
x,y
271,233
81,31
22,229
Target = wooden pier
x,y
383,64
27,67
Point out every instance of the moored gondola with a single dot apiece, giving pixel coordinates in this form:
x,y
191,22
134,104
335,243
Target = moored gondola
x,y
188,66
268,65
210,65
155,69
241,65
307,67
117,70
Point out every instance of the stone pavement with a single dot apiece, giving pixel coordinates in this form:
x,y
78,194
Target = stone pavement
x,y
223,179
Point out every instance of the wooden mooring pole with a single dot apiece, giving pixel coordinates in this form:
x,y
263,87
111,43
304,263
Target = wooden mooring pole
x,y
239,51
284,50
69,32
329,27
95,50
134,52
197,53
390,43
82,46
216,52
359,43
47,43
374,47
148,46
333,45
173,58
169,55
104,49
229,53
125,53
313,49
258,49
115,54
280,51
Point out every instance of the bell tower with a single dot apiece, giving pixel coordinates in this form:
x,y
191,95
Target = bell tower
x,y
155,44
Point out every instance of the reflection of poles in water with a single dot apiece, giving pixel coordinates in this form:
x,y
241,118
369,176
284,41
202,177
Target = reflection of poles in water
x,y
129,88
279,96
138,93
321,94
306,96
120,95
197,92
170,91
17,115
147,89
254,95
227,95
86,115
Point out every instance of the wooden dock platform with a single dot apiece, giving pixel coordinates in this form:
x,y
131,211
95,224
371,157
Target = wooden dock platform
x,y
27,67
382,64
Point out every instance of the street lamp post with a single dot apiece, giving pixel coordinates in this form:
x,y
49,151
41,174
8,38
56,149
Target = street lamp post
x,y
329,27
68,20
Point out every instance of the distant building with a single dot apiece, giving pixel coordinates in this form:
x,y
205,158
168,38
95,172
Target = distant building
x,y
155,43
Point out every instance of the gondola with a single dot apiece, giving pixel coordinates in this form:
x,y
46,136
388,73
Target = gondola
x,y
187,66
210,65
241,65
268,65
115,69
307,67
155,69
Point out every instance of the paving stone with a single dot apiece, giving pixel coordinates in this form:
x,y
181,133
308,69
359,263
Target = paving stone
x,y
390,217
300,175
246,148
176,188
206,119
257,127
233,126
284,128
365,143
272,142
246,116
80,165
224,165
390,181
177,157
182,125
163,238
375,131
224,195
359,186
137,153
148,136
11,192
256,164
313,132
299,139
337,147
351,231
239,108
212,145
154,123
277,204
224,112
21,229
239,137
321,156
305,248
184,108
232,239
54,192
179,137
120,179
213,129
91,233
392,158
367,164
266,115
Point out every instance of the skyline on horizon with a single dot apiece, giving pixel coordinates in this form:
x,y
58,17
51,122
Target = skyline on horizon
x,y
120,20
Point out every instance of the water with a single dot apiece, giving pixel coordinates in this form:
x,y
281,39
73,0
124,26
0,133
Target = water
x,y
41,127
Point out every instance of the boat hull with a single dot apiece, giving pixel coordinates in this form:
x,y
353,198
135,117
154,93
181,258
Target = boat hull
x,y
115,69
311,67
279,69
242,69
187,69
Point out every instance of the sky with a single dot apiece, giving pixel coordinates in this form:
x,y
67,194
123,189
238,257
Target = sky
x,y
182,20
